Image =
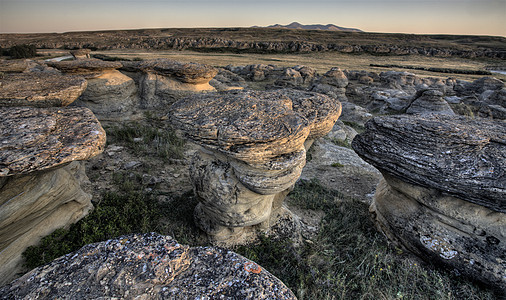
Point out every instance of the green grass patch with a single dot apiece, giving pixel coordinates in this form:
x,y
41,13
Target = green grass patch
x,y
341,143
349,259
358,127
148,139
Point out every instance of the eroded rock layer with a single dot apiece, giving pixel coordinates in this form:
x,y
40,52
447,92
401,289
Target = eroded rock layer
x,y
38,89
443,195
457,155
145,267
36,139
252,152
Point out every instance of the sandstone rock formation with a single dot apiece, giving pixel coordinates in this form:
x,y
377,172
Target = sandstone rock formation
x,y
430,102
444,189
80,53
40,176
39,89
89,68
13,65
109,94
252,152
146,267
165,81
332,83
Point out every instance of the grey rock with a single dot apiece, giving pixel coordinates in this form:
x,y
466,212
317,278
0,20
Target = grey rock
x,y
430,102
145,267
453,154
13,65
89,68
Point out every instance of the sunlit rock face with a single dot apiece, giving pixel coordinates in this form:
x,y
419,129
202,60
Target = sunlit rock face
x,y
148,266
39,89
110,94
163,81
443,195
41,175
252,152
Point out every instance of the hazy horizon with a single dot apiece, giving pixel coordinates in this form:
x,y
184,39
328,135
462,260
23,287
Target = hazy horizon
x,y
466,17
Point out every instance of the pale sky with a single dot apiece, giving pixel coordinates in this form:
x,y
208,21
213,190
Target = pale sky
x,y
476,17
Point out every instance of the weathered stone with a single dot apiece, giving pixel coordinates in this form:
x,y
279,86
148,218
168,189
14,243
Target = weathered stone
x,y
454,154
193,73
39,89
110,96
36,139
80,53
246,125
33,206
444,193
13,65
334,77
145,267
89,68
443,229
430,102
289,78
253,151
320,110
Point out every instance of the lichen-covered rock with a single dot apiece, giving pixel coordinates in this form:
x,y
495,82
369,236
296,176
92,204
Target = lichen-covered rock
x,y
289,78
430,102
33,206
252,152
36,139
145,267
39,89
444,193
89,68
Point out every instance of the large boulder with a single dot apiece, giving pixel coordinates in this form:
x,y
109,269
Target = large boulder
x,y
252,151
38,89
333,83
41,176
148,266
444,190
430,102
89,68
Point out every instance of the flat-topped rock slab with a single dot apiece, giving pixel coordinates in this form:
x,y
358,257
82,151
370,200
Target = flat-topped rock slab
x,y
247,125
456,155
85,67
36,139
194,73
39,89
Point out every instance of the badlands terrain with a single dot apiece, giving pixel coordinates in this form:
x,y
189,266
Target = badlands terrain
x,y
341,165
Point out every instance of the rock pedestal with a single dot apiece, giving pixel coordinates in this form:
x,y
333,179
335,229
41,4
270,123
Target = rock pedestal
x,y
444,190
40,176
164,81
110,94
252,152
148,266
332,83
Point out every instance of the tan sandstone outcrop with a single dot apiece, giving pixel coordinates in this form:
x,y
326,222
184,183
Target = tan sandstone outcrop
x,y
110,94
148,266
252,152
444,190
38,89
41,176
164,81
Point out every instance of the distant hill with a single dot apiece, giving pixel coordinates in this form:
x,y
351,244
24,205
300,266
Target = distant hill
x,y
330,27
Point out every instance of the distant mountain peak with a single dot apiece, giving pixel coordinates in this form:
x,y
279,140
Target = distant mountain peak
x,y
297,25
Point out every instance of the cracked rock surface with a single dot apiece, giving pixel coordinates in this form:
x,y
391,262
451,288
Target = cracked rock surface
x,y
39,89
148,266
443,195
